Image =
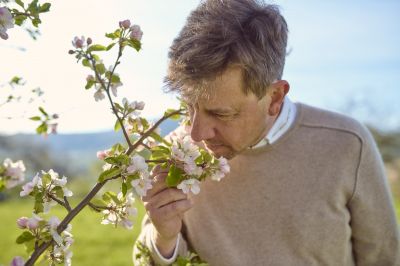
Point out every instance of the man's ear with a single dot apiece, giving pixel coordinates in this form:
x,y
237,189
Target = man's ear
x,y
278,90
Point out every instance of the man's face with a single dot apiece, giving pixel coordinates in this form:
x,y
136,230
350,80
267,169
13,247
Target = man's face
x,y
229,121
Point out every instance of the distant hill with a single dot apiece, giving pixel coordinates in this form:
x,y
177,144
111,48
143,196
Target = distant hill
x,y
63,151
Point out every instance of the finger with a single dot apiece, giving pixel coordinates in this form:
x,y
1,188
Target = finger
x,y
158,186
176,208
165,197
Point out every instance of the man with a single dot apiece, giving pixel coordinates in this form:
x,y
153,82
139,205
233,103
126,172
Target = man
x,y
306,187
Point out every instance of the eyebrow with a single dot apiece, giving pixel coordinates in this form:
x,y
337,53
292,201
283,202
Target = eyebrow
x,y
222,110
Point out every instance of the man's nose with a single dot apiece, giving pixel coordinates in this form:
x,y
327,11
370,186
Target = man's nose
x,y
202,127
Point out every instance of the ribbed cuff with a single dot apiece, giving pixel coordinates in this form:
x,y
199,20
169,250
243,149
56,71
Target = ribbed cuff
x,y
161,257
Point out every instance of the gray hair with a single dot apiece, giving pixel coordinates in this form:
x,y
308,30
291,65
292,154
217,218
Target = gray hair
x,y
223,33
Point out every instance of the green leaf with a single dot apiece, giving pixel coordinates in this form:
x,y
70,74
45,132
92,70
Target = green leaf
x,y
109,173
24,237
96,47
109,195
99,202
43,111
44,8
110,46
20,3
173,117
124,189
115,79
86,63
174,177
42,129
117,126
101,69
18,20
46,179
38,207
135,44
89,84
35,118
114,35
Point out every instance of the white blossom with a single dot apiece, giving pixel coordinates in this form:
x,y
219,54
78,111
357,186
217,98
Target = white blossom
x,y
141,185
190,185
15,171
138,164
28,187
99,95
119,214
6,22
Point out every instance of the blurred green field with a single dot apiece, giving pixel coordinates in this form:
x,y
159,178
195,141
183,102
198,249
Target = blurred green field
x,y
95,244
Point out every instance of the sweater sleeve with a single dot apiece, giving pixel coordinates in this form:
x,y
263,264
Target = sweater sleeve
x,y
146,239
375,233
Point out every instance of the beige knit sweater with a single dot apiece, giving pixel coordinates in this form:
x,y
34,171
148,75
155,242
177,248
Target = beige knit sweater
x,y
317,196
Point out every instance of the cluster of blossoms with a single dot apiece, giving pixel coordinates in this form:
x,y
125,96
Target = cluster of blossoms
x,y
51,188
81,42
119,209
11,173
139,167
38,231
195,164
114,84
135,33
6,22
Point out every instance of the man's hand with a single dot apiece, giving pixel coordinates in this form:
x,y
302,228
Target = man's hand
x,y
165,208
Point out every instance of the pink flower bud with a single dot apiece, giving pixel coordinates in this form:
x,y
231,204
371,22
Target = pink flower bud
x,y
17,261
102,155
32,223
125,24
54,128
55,116
78,42
136,33
89,41
22,222
89,78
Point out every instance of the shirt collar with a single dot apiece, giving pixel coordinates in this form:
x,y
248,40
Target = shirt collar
x,y
282,123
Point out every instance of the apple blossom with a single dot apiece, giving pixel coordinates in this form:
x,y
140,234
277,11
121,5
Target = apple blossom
x,y
136,33
191,168
114,87
28,187
78,42
6,22
17,261
89,41
99,95
223,169
33,222
125,24
14,172
138,164
103,154
22,222
141,185
118,213
188,185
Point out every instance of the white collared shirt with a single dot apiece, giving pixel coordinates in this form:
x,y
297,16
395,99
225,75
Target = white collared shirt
x,y
282,123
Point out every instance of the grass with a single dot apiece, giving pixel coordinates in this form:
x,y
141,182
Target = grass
x,y
95,244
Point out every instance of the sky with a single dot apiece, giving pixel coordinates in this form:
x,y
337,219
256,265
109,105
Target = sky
x,y
343,56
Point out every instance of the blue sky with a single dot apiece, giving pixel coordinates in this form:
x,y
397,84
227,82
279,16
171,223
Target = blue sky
x,y
343,56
